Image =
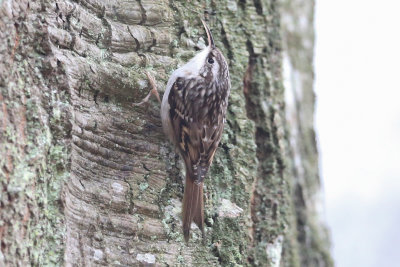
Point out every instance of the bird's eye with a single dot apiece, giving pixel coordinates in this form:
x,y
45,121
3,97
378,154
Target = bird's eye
x,y
210,60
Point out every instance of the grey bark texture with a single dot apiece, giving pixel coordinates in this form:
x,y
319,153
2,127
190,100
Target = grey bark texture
x,y
88,179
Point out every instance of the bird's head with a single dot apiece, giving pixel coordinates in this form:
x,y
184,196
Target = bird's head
x,y
214,66
210,63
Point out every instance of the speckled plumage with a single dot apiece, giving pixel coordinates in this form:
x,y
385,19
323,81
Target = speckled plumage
x,y
193,115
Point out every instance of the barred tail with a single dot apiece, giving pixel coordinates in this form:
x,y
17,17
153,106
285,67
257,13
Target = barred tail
x,y
193,206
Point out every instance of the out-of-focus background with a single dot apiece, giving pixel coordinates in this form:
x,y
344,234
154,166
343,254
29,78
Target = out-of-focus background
x,y
358,123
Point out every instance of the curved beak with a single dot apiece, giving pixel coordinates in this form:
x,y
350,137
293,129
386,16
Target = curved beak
x,y
209,35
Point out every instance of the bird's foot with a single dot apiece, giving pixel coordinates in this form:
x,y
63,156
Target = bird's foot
x,y
153,91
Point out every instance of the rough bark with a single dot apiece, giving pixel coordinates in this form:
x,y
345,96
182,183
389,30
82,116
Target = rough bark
x,y
87,179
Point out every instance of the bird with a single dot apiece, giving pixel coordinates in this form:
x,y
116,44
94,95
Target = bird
x,y
193,111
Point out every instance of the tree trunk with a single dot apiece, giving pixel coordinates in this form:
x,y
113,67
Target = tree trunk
x,y
88,179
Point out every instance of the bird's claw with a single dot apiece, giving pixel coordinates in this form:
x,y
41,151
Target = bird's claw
x,y
153,91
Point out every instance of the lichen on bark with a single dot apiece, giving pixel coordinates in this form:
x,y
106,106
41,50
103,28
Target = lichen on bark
x,y
34,142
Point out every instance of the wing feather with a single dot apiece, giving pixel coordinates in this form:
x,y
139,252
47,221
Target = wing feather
x,y
197,124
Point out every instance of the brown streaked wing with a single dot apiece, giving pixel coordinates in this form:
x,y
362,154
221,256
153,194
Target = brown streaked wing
x,y
197,133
